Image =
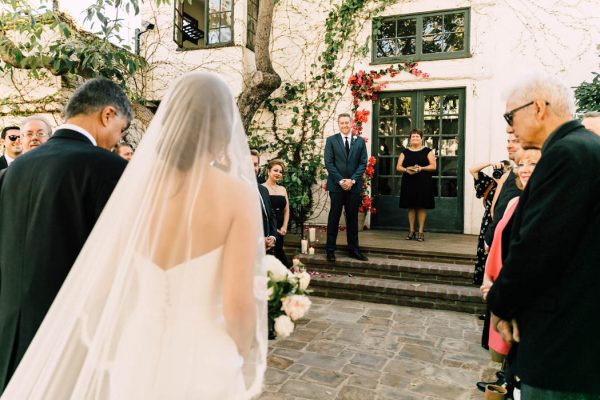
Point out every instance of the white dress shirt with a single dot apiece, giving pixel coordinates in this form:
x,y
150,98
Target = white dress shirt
x,y
78,129
349,138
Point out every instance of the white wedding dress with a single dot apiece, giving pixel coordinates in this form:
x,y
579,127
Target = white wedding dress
x,y
174,344
124,328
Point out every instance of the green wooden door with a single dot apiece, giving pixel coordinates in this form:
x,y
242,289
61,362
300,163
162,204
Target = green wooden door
x,y
440,114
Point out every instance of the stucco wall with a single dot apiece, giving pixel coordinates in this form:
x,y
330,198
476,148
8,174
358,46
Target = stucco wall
x,y
506,38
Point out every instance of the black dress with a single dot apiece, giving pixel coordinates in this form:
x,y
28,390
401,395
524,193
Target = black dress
x,y
485,187
416,191
278,202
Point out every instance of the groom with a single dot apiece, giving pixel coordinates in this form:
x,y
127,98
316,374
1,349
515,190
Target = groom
x,y
345,160
50,200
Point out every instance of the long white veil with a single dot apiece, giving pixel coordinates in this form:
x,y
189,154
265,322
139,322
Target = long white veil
x,y
189,189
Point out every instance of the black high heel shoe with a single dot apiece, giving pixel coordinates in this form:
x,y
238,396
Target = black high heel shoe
x,y
411,236
420,237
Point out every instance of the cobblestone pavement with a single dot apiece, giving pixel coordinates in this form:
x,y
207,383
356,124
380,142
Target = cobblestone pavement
x,y
351,350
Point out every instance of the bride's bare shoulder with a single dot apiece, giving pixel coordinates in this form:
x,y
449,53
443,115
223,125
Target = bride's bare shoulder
x,y
232,188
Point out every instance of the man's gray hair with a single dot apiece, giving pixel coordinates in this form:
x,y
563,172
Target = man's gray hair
x,y
542,86
96,94
592,114
38,118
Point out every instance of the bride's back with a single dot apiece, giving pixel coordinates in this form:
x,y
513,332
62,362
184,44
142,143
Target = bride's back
x,y
216,200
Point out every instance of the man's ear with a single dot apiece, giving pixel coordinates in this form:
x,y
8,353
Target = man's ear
x,y
106,114
541,107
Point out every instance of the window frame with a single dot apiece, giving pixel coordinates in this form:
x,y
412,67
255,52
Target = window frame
x,y
248,16
419,55
178,26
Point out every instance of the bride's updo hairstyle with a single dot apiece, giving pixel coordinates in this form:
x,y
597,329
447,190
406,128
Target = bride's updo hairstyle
x,y
197,121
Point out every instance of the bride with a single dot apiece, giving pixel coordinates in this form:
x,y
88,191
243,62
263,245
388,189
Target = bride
x,y
166,299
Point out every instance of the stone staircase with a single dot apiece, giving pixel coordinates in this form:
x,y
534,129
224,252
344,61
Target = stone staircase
x,y
428,279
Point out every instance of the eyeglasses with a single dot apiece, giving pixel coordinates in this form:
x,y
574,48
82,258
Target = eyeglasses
x,y
39,135
13,138
509,115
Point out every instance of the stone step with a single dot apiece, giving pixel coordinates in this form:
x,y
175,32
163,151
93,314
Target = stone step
x,y
389,291
293,247
393,268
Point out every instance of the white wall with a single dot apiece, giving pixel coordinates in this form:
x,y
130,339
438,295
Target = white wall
x,y
507,38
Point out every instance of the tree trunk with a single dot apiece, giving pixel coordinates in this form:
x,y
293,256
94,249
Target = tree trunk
x,y
265,80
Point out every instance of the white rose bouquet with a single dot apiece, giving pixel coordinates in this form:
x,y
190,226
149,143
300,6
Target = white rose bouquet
x,y
288,296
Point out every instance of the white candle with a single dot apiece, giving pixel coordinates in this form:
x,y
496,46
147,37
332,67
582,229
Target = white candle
x,y
311,251
304,246
312,234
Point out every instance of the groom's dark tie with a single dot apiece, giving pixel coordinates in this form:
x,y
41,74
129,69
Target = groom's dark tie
x,y
347,145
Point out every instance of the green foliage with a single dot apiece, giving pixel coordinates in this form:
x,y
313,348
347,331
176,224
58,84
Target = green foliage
x,y
43,40
588,93
311,104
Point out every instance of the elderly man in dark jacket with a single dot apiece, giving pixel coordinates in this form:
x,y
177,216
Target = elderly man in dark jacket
x,y
546,297
50,200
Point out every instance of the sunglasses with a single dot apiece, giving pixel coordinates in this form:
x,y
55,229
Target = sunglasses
x,y
13,138
508,117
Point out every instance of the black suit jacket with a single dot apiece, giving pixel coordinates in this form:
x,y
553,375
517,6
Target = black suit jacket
x,y
341,166
268,215
550,275
3,162
50,200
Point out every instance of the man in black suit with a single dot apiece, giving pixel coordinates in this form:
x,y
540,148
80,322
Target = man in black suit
x,y
268,214
345,160
546,295
50,200
11,140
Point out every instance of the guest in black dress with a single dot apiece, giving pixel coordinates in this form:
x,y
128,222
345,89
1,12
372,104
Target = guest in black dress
x,y
280,204
418,164
485,188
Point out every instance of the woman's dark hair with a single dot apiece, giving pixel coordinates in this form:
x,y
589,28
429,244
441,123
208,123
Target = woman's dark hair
x,y
416,132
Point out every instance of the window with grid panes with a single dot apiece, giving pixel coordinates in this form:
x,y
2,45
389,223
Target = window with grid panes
x,y
252,22
203,23
428,36
220,21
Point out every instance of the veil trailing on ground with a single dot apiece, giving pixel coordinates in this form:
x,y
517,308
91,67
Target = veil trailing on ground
x,y
189,188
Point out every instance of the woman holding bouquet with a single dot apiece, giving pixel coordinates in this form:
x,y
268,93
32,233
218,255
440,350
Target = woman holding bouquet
x,y
417,163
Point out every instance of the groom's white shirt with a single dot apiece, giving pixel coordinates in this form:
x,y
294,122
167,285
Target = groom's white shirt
x,y
79,130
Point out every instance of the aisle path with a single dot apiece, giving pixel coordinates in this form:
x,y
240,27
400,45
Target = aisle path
x,y
350,350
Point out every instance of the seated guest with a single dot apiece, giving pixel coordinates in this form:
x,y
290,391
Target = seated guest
x,y
281,205
11,140
124,151
35,131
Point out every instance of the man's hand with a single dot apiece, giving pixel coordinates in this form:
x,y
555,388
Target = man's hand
x,y
269,242
346,184
509,330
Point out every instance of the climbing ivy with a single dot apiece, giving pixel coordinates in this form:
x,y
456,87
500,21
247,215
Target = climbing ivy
x,y
297,140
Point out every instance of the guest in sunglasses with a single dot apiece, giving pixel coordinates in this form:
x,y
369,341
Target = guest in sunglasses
x,y
11,140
